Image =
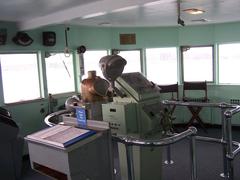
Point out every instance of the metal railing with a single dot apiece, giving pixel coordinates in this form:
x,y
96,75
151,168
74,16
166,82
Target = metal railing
x,y
48,119
227,111
129,142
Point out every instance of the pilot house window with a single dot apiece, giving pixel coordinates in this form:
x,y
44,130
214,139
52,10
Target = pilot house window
x,y
197,63
20,77
162,65
91,61
60,76
229,63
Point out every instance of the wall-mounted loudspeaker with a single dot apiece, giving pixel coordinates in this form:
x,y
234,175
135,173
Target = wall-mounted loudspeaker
x,y
49,38
22,39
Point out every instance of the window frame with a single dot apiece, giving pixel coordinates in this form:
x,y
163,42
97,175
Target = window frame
x,y
218,50
177,60
113,51
84,62
62,94
196,46
39,72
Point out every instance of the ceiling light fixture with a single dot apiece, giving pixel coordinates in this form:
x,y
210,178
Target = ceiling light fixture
x,y
94,15
200,20
125,9
193,11
104,24
154,3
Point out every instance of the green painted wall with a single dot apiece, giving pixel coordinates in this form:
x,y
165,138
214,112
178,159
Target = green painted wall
x,y
28,115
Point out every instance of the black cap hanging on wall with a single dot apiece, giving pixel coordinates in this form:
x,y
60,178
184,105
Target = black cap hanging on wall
x,y
81,49
22,39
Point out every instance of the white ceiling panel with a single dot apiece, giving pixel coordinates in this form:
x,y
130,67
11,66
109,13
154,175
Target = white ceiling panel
x,y
31,14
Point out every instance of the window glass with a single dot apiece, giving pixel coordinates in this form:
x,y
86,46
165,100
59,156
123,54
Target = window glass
x,y
162,65
229,63
91,61
197,63
20,77
60,76
133,58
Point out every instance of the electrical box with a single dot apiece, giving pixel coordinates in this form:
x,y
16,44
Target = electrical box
x,y
122,117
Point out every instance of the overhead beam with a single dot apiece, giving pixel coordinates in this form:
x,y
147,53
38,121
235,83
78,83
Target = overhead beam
x,y
101,7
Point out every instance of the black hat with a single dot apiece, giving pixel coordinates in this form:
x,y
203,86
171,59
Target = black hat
x,y
81,49
22,39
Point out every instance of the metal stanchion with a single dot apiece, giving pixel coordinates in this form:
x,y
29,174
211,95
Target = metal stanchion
x,y
229,145
224,147
130,165
193,163
169,159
